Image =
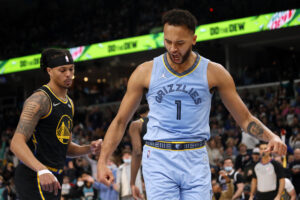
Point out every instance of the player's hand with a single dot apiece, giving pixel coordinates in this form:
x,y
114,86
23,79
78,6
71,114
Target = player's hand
x,y
96,146
136,193
277,197
275,145
251,197
49,183
105,175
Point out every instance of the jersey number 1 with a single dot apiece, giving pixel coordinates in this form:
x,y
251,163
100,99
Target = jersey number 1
x,y
178,103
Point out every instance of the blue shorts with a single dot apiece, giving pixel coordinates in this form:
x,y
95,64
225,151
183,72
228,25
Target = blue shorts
x,y
176,175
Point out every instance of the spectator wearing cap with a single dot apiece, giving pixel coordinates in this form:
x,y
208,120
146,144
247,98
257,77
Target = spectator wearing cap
x,y
248,171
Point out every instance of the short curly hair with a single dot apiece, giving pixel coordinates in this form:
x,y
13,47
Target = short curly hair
x,y
179,17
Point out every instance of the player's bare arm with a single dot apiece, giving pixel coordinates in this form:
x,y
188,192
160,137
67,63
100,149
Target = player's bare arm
x,y
134,133
219,77
75,150
36,106
139,80
135,129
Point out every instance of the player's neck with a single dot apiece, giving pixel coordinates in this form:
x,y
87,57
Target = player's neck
x,y
179,68
58,91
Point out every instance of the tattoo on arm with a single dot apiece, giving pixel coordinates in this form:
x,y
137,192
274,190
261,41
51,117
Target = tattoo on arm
x,y
256,130
34,108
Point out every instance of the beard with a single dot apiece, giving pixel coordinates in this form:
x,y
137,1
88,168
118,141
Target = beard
x,y
184,57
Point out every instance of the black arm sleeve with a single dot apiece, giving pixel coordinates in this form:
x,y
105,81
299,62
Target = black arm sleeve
x,y
239,179
278,169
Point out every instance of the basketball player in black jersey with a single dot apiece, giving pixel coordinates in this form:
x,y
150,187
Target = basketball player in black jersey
x,y
137,130
43,137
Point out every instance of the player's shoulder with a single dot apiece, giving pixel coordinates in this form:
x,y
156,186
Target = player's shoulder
x,y
39,102
38,97
215,67
218,75
135,124
145,66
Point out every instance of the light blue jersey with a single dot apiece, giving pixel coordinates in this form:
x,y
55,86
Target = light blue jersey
x,y
179,102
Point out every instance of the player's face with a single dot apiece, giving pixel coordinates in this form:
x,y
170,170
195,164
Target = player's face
x,y
63,75
178,41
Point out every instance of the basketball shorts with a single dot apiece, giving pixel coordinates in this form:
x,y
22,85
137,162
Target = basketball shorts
x,y
27,185
176,174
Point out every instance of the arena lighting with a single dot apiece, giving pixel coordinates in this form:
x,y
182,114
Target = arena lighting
x,y
211,10
204,32
98,80
85,79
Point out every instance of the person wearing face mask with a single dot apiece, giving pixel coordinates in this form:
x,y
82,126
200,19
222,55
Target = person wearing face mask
x,y
218,192
268,177
236,178
108,192
123,178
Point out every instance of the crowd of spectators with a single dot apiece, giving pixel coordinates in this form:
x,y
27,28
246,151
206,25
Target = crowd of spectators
x,y
29,26
276,107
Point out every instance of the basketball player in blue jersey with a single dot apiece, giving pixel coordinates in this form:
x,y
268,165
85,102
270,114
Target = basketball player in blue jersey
x,y
43,137
175,162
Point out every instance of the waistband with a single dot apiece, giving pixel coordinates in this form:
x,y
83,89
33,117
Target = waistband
x,y
54,170
176,146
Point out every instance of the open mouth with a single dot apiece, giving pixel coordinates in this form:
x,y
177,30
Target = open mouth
x,y
175,58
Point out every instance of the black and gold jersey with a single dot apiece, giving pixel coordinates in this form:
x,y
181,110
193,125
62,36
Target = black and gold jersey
x,y
52,134
144,128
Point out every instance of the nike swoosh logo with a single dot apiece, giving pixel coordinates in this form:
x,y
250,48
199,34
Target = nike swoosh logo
x,y
56,104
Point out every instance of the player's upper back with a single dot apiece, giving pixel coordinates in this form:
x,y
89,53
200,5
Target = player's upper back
x,y
179,102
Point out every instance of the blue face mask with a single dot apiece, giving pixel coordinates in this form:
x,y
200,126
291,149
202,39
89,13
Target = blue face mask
x,y
228,169
127,160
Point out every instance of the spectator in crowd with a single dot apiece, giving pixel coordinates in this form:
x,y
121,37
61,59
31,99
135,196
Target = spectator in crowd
x,y
105,192
294,141
268,177
123,178
248,171
295,168
65,188
249,140
243,158
235,176
214,153
218,192
88,191
289,190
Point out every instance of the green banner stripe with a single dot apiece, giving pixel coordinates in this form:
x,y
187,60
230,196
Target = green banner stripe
x,y
205,32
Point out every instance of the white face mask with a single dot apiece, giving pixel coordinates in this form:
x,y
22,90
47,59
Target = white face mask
x,y
80,183
228,169
128,160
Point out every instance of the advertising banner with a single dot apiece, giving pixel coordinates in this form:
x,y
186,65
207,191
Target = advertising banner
x,y
206,32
